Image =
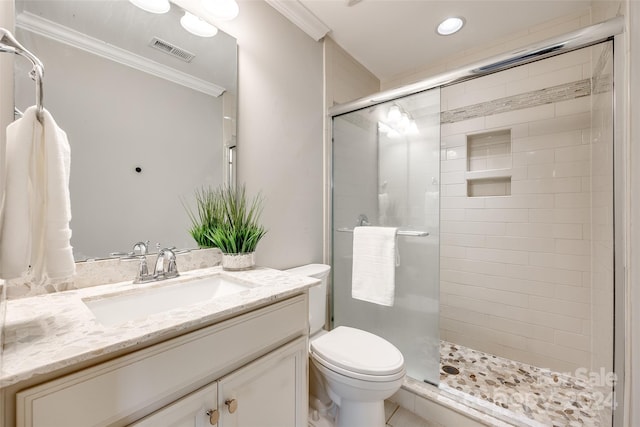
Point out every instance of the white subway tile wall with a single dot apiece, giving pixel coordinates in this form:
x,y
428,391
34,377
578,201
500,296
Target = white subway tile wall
x,y
516,271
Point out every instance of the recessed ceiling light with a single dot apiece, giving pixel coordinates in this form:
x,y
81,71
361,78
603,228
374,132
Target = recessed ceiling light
x,y
450,26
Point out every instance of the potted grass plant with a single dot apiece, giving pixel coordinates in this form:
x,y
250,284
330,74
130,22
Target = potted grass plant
x,y
207,216
238,231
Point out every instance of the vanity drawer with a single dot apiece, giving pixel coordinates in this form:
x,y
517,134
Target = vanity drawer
x,y
125,389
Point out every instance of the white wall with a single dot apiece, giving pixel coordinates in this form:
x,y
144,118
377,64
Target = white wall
x,y
280,119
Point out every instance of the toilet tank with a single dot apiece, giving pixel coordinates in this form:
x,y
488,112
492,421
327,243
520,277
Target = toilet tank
x,y
317,294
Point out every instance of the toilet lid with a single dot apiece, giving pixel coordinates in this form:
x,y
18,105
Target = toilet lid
x,y
358,351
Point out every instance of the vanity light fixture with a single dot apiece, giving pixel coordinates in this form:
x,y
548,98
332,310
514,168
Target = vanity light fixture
x,y
197,26
222,10
153,6
450,26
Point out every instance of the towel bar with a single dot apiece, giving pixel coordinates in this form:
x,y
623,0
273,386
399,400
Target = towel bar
x,y
9,44
400,232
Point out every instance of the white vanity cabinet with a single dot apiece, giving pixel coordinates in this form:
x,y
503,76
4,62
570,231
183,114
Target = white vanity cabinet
x,y
255,362
266,393
198,409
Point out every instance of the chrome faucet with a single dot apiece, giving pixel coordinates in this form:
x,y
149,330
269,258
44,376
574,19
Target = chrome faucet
x,y
166,267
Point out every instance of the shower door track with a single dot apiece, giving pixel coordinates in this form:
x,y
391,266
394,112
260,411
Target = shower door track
x,y
578,39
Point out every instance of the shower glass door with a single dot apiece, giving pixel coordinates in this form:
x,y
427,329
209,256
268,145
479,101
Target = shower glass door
x,y
386,172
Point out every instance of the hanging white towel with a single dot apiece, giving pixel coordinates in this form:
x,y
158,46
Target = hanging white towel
x,y
34,224
374,263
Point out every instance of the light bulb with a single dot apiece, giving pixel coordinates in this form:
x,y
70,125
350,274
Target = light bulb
x,y
223,10
153,6
197,26
394,114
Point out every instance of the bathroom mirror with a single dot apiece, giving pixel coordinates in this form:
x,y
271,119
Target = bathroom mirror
x,y
149,110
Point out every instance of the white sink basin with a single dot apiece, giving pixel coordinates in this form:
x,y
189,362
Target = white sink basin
x,y
138,304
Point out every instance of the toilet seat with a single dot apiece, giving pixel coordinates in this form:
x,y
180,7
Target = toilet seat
x,y
358,354
355,375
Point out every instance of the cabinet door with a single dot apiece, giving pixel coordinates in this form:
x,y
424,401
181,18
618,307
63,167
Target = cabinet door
x,y
197,409
270,392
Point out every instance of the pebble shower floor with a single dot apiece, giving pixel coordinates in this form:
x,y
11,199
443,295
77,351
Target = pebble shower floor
x,y
527,394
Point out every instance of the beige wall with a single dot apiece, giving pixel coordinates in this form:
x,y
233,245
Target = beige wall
x,y
345,78
280,138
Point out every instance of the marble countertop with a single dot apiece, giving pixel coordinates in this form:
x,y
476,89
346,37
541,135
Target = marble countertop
x,y
53,331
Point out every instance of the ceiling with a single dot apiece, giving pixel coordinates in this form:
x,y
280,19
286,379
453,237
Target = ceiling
x,y
394,37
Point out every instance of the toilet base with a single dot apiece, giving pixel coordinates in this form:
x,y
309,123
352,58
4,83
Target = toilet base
x,y
318,420
360,414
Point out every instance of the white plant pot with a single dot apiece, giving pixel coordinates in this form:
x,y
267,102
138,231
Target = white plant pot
x,y
238,262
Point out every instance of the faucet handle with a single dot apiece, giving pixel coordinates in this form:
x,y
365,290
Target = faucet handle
x,y
143,271
172,268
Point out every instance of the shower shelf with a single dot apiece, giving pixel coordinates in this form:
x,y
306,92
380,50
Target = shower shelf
x,y
488,174
400,232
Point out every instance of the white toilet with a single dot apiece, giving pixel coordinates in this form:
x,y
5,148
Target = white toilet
x,y
351,368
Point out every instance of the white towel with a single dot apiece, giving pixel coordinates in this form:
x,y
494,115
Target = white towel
x,y
374,263
35,215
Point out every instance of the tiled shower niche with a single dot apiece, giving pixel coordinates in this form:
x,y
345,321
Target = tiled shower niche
x,y
489,164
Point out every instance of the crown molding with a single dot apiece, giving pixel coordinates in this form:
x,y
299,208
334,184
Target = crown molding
x,y
295,12
43,27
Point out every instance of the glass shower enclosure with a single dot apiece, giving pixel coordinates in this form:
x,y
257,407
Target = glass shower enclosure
x,y
386,171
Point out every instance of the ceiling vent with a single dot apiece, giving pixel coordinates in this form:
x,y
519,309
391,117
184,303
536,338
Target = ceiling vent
x,y
172,50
